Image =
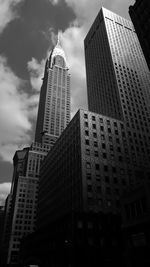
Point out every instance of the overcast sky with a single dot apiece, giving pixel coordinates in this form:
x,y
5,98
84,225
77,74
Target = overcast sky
x,y
27,34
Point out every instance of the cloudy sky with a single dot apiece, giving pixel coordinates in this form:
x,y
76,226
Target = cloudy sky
x,y
27,34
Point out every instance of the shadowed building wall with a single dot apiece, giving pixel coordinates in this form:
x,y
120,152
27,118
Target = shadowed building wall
x,y
140,16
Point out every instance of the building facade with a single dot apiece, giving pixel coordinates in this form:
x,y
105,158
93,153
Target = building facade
x,y
24,192
140,16
6,229
135,224
87,170
54,104
1,229
118,82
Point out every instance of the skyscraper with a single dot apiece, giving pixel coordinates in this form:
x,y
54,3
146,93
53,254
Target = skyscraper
x,y
140,15
118,82
53,117
54,104
6,229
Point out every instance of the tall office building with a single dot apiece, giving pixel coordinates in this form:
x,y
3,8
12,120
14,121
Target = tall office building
x,y
140,15
24,194
1,229
54,104
118,82
86,170
6,229
53,117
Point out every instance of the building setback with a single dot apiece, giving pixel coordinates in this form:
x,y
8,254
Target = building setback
x,y
140,16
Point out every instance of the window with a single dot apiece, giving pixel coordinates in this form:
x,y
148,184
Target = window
x,y
109,203
99,189
87,133
102,137
88,165
95,144
89,187
111,147
95,135
104,155
107,179
103,146
105,168
97,167
87,142
117,141
98,177
87,151
88,176
123,181
114,169
117,191
96,153
118,149
110,138
120,158
108,190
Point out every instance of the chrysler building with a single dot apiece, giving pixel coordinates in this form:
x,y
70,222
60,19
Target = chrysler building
x,y
54,104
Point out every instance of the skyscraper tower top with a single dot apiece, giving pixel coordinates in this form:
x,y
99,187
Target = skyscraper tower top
x,y
57,55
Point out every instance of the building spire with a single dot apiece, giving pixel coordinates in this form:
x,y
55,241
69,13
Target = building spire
x,y
59,39
57,51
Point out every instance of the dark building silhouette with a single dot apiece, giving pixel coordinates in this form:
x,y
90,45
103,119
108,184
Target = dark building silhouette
x,y
136,224
1,230
140,16
6,230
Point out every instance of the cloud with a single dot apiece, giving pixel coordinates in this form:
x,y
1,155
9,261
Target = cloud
x,y
8,12
54,2
36,70
16,110
4,191
87,9
72,42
